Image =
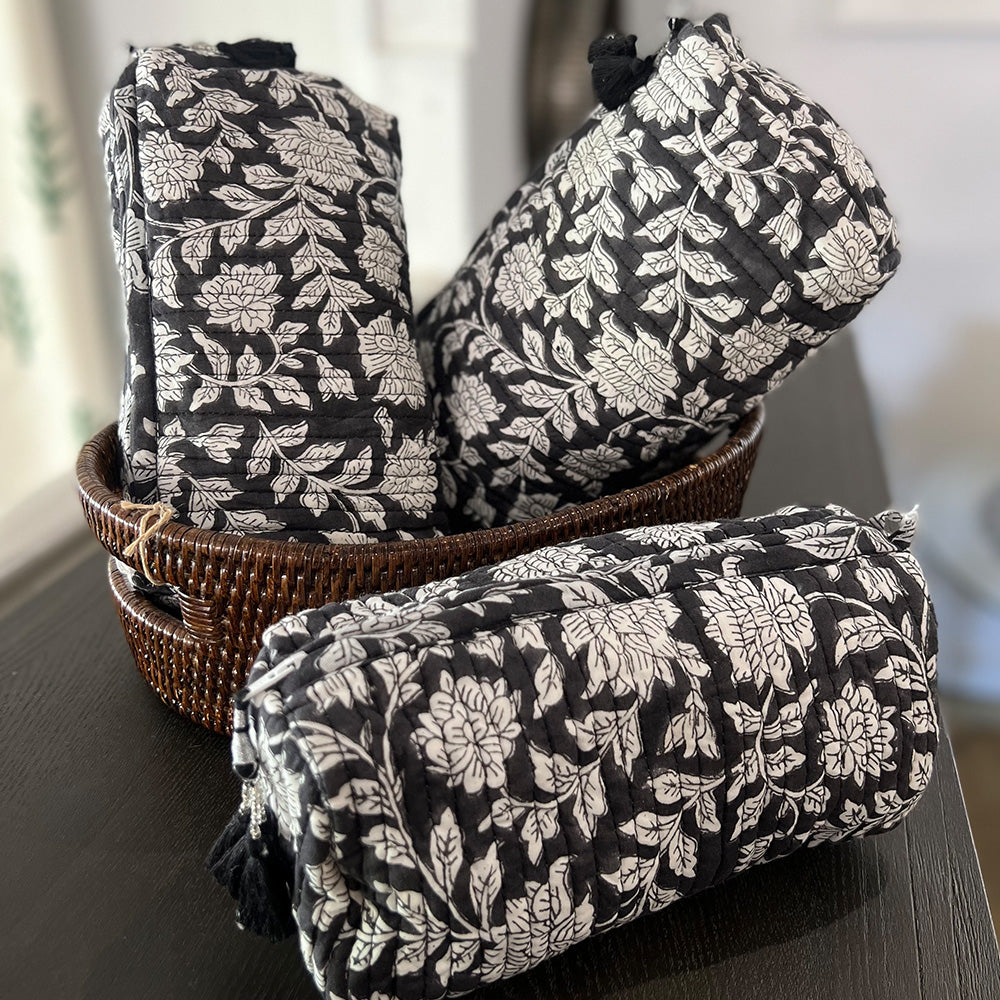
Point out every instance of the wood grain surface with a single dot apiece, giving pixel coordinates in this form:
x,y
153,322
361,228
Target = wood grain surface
x,y
110,802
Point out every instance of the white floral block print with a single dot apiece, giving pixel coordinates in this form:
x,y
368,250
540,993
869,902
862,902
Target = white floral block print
x,y
477,774
668,265
272,385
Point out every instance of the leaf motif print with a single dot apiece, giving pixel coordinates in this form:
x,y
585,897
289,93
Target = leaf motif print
x,y
420,930
241,199
650,186
742,198
547,669
692,734
681,852
697,64
215,353
446,850
617,647
219,441
703,267
594,266
705,230
485,881
864,632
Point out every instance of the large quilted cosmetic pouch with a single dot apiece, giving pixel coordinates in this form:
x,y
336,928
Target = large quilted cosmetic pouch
x,y
272,385
669,264
465,779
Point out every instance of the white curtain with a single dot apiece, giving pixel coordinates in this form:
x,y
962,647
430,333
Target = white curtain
x,y
58,367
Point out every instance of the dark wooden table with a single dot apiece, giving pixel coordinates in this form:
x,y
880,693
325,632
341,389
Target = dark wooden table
x,y
110,801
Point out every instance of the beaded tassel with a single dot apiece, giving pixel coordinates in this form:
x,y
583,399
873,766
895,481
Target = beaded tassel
x,y
247,858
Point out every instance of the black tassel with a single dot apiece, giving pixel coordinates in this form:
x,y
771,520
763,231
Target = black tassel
x,y
229,854
264,904
228,871
615,69
248,862
221,858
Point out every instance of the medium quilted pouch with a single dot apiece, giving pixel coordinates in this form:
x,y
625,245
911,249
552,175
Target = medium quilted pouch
x,y
451,784
668,265
272,384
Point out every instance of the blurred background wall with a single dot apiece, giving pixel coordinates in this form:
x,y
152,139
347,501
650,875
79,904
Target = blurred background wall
x,y
917,84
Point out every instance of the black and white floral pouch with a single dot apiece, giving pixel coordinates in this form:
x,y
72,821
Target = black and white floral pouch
x,y
273,382
454,783
669,264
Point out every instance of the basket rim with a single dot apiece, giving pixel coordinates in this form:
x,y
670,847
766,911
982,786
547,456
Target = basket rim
x,y
101,499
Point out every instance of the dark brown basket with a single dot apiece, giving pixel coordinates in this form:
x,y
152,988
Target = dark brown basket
x,y
232,587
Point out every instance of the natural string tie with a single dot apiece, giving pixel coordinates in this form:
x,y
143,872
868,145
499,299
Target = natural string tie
x,y
154,517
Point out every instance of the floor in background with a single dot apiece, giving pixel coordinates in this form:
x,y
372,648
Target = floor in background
x,y
975,737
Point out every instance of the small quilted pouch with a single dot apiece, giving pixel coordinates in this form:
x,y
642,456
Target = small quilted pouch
x,y
448,785
669,264
273,386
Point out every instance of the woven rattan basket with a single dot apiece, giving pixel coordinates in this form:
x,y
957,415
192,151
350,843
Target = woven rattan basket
x,y
232,588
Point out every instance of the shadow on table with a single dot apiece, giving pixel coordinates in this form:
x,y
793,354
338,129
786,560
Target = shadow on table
x,y
763,907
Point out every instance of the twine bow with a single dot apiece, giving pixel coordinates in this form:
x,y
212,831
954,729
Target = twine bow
x,y
154,517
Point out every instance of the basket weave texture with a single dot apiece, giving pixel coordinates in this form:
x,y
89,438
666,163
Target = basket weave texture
x,y
233,587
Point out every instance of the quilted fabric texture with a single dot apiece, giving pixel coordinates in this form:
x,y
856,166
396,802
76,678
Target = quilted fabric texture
x,y
137,422
474,775
669,264
272,384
